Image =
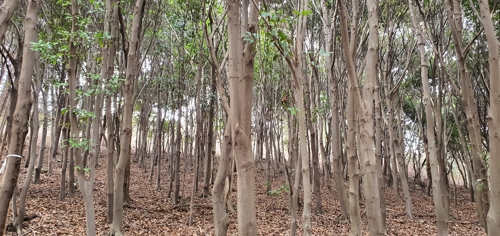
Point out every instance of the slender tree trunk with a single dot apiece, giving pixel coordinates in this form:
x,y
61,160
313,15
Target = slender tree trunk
x,y
433,159
220,217
84,184
398,144
337,150
109,116
21,114
66,151
393,147
493,217
209,138
379,157
158,152
57,124
177,161
313,139
468,101
295,195
18,221
353,168
197,140
126,129
43,146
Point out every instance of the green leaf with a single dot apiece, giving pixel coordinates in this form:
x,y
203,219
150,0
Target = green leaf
x,y
265,14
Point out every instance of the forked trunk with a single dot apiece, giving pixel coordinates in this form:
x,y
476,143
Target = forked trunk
x,y
126,128
18,221
364,105
241,71
20,117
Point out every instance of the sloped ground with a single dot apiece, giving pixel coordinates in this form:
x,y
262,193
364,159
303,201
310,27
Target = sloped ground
x,y
151,213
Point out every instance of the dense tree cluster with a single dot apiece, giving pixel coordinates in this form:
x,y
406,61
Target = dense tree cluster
x,y
379,94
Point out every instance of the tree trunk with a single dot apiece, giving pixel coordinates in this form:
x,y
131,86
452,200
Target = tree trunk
x,y
220,217
313,138
199,134
241,69
364,105
21,114
159,148
433,159
177,161
336,149
398,144
57,126
493,217
209,137
75,140
7,10
109,117
43,146
126,129
295,194
66,151
353,168
18,221
468,102
393,147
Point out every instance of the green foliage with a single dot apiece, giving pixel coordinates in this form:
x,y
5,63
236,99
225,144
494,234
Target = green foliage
x,y
292,110
250,38
52,52
82,115
479,185
87,170
83,143
279,32
324,105
102,37
303,13
277,192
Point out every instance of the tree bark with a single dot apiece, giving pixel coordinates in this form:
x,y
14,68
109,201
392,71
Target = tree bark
x,y
21,114
84,184
353,167
479,172
313,138
493,217
364,105
126,129
7,10
335,122
433,159
43,145
111,52
18,221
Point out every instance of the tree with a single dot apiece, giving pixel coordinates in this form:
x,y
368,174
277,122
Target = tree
x,y
126,128
20,118
468,101
433,159
329,29
493,217
364,106
241,64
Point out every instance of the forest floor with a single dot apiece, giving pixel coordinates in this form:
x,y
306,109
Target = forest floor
x,y
151,212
